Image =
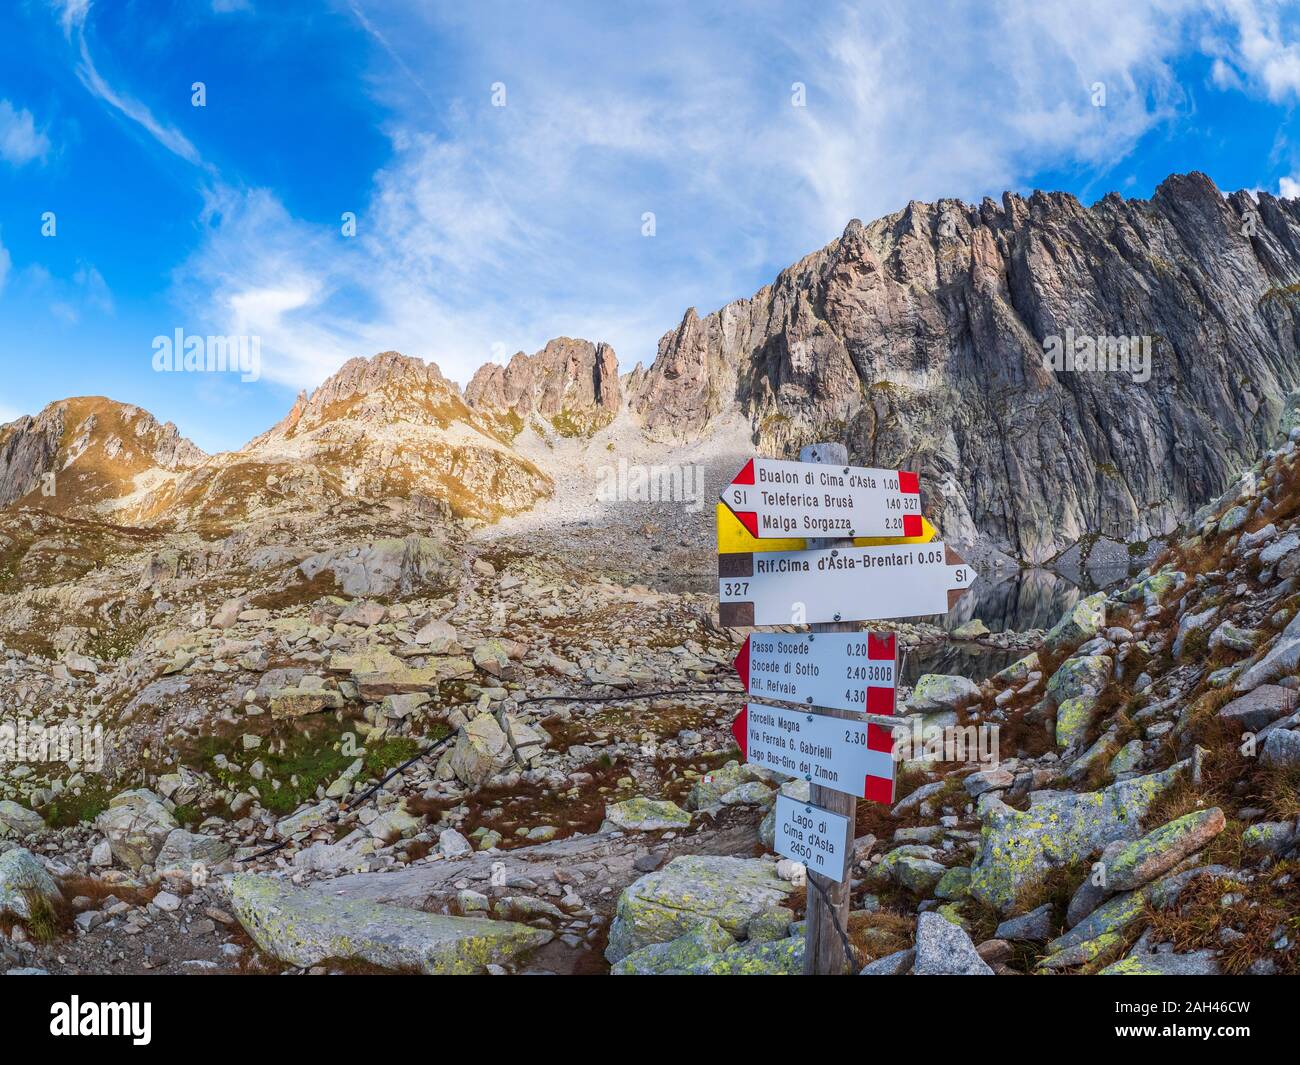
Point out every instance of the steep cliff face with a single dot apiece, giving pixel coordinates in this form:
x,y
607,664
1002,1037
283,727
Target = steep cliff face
x,y
89,455
920,340
573,384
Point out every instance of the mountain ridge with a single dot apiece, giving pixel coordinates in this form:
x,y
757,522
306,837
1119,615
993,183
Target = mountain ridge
x,y
918,339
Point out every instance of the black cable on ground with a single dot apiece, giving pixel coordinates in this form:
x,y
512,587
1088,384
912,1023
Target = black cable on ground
x,y
518,702
627,698
364,796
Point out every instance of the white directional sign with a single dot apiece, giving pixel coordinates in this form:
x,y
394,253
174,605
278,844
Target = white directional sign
x,y
843,670
838,753
816,837
840,584
771,497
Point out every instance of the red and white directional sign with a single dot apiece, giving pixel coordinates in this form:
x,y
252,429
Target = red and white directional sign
x,y
844,670
771,497
818,838
844,755
840,584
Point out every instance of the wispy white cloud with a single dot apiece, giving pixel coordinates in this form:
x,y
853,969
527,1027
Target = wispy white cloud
x,y
20,141
6,263
1252,47
73,16
491,229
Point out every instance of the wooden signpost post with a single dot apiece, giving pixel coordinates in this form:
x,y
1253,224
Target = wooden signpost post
x,y
774,570
823,951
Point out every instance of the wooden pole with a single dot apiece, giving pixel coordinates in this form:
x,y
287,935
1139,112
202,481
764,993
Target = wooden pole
x,y
823,947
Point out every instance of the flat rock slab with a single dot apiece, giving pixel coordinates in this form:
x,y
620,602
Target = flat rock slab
x,y
1201,963
307,927
606,858
1252,711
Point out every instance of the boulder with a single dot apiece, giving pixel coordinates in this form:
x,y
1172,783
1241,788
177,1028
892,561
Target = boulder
x,y
1260,707
936,691
1032,927
1083,675
439,637
183,851
1158,852
674,957
896,964
668,903
645,815
482,750
710,788
1282,749
1281,659
1017,848
389,567
136,825
944,949
1191,623
18,822
307,927
1081,622
1199,963
911,866
1099,932
23,880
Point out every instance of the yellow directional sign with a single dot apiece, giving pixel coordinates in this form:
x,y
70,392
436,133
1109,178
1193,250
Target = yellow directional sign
x,y
734,538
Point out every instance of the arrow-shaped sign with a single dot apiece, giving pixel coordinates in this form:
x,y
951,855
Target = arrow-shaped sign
x,y
775,498
842,670
840,584
734,538
844,755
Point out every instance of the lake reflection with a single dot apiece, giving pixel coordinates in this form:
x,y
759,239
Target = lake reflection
x,y
1023,599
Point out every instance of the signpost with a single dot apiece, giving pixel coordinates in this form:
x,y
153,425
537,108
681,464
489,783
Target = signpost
x,y
840,584
823,544
771,497
808,834
833,753
734,538
846,670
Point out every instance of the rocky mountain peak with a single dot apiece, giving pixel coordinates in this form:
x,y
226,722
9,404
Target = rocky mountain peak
x,y
88,453
387,388
573,384
920,340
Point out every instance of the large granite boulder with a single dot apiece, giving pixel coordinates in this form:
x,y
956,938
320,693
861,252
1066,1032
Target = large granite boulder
x,y
136,825
1017,848
668,903
306,927
23,881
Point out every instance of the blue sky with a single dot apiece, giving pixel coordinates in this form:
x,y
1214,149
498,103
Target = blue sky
x,y
481,229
